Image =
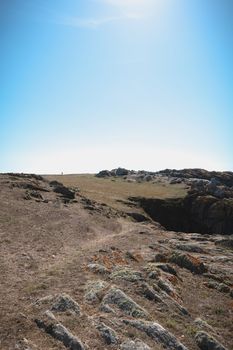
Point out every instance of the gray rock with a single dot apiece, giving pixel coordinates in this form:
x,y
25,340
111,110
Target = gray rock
x,y
148,178
188,262
93,290
98,268
192,248
104,173
121,172
134,345
59,332
159,334
207,342
166,286
160,257
171,302
108,334
64,191
202,324
221,287
123,302
152,270
64,302
167,268
149,293
126,274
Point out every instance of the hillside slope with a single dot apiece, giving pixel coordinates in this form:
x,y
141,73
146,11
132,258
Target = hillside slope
x,y
80,274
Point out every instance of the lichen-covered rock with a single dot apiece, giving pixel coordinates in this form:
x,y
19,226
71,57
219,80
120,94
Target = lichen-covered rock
x,y
221,287
159,257
134,345
152,270
98,268
107,333
63,303
149,293
166,287
207,342
192,248
51,326
126,274
159,334
123,302
167,268
188,262
59,303
203,325
93,291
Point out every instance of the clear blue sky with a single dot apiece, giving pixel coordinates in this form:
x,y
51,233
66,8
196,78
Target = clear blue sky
x,y
94,84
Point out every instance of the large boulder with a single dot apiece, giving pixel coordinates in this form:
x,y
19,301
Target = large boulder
x,y
104,173
122,172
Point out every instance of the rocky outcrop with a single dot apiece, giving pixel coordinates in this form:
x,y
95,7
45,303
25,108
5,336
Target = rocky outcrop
x,y
107,333
188,176
134,345
51,326
193,213
63,303
225,178
98,268
123,302
188,262
127,274
113,172
207,342
207,208
63,190
104,173
159,334
149,293
93,291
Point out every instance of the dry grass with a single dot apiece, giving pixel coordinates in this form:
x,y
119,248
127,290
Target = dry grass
x,y
110,191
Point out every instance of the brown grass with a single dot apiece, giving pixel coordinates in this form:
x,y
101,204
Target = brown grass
x,y
110,191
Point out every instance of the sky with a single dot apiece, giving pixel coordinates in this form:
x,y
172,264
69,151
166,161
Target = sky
x,y
87,85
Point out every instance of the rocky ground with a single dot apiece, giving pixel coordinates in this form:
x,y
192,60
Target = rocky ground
x,y
78,274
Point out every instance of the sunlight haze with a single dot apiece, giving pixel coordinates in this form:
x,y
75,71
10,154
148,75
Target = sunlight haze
x,y
94,84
